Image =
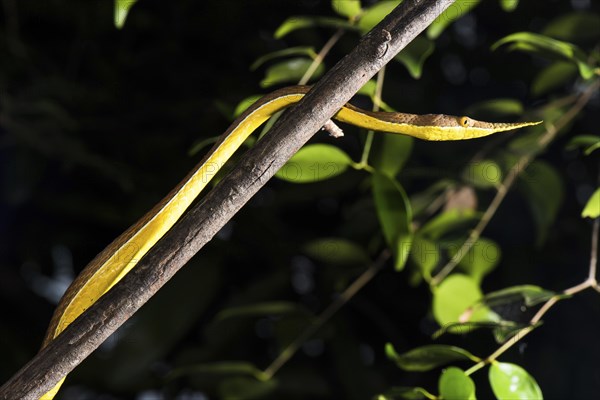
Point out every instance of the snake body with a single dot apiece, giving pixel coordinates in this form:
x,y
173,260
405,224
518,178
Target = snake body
x,y
114,262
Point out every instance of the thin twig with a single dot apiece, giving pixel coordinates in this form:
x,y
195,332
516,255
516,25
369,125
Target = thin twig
x,y
594,256
318,60
334,130
330,126
364,159
327,314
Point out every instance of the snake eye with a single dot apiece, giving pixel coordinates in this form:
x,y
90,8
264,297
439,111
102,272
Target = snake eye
x,y
464,122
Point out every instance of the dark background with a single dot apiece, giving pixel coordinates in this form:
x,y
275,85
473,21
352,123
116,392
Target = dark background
x,y
96,125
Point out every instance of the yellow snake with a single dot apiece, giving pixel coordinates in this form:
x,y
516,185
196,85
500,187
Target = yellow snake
x,y
108,267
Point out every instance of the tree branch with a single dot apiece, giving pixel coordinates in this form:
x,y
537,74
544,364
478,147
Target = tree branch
x,y
199,225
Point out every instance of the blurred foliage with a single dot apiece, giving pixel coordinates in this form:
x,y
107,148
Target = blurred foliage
x,y
105,105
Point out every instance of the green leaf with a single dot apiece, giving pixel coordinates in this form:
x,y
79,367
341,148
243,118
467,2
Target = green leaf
x,y
409,393
373,15
493,321
425,254
510,382
414,55
426,358
483,174
453,297
262,309
509,5
224,368
245,103
242,388
574,27
313,163
402,250
506,331
391,153
294,23
448,221
592,208
291,51
543,188
451,14
291,70
122,8
336,251
480,260
543,45
552,77
346,8
368,89
495,108
195,149
531,295
590,142
395,216
454,384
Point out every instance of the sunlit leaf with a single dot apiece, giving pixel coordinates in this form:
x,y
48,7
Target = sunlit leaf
x,y
336,251
290,51
455,295
509,5
414,55
480,260
262,309
313,163
426,358
395,216
373,15
425,254
454,384
542,186
346,8
552,77
495,108
291,70
543,45
592,208
294,23
449,221
510,381
122,8
483,174
573,27
450,15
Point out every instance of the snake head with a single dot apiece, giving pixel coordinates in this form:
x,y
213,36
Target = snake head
x,y
465,122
